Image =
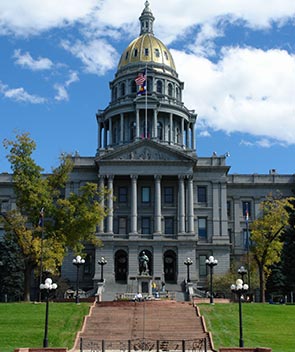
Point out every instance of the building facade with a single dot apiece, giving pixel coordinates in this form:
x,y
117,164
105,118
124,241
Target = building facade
x,y
165,199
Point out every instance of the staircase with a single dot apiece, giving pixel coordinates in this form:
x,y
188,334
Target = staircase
x,y
148,325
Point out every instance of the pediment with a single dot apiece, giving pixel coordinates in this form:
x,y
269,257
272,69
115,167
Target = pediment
x,y
146,150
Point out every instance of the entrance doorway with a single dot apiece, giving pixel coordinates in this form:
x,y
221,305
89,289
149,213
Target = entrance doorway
x,y
121,266
170,266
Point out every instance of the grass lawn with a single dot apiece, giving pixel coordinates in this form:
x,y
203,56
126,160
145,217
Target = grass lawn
x,y
264,325
22,324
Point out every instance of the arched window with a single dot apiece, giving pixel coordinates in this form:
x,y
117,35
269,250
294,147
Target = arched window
x,y
132,130
122,87
177,94
114,93
170,89
170,260
159,87
121,265
160,131
133,86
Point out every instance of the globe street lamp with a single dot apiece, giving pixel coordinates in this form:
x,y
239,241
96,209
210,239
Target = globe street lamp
x,y
239,289
102,262
47,287
242,271
211,262
188,262
78,261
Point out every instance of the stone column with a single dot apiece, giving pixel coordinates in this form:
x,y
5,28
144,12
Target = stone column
x,y
216,204
190,201
110,205
137,124
182,130
121,128
155,134
158,214
110,131
105,135
98,135
101,187
193,136
187,139
224,227
134,204
171,129
181,205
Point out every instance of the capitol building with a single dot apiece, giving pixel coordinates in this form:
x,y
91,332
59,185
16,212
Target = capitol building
x,y
166,200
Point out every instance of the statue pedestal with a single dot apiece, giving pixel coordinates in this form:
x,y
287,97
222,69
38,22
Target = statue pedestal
x,y
144,284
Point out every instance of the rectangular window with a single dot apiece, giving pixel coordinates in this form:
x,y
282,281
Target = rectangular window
x,y
202,194
202,226
168,195
202,266
145,225
169,225
145,194
157,52
246,205
228,209
122,225
123,195
146,52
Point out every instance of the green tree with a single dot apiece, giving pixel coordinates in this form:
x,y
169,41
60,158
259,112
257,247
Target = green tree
x,y
266,236
43,238
11,275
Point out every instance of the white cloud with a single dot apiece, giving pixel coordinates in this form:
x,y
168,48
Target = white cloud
x,y
25,17
97,56
62,93
247,90
20,95
26,60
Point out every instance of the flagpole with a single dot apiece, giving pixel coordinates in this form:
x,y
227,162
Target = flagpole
x,y
146,101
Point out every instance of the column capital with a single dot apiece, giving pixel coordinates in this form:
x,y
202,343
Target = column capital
x,y
134,177
157,177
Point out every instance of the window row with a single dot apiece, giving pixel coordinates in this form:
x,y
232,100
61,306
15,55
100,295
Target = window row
x,y
146,226
122,90
146,195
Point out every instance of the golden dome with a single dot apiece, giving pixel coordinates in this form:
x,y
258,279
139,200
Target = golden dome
x,y
146,48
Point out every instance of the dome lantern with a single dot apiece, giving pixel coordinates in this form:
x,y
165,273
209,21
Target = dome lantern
x,y
146,20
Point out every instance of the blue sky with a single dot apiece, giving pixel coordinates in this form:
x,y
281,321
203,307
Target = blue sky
x,y
236,58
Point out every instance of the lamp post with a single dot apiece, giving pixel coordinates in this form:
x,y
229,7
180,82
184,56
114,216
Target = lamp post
x,y
188,262
242,271
47,287
239,289
211,262
102,262
78,261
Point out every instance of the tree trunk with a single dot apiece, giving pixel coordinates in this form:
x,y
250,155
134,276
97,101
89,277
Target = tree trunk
x,y
27,282
261,284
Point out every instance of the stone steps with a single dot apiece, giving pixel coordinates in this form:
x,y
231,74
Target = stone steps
x,y
148,320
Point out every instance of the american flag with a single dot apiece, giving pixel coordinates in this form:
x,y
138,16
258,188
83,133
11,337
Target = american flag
x,y
140,79
247,214
41,218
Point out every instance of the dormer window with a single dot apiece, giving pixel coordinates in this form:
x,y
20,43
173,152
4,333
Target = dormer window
x,y
166,55
146,52
157,52
127,54
135,52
